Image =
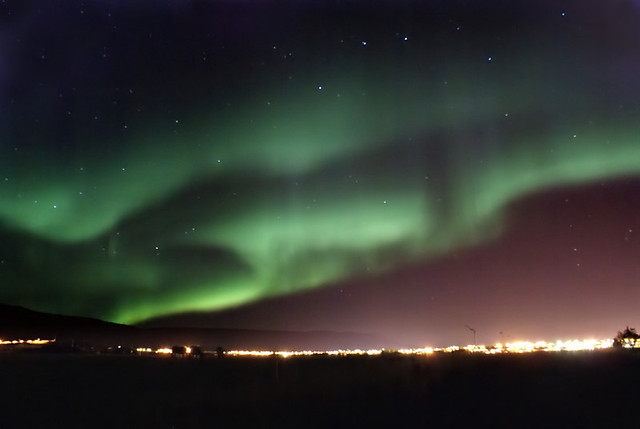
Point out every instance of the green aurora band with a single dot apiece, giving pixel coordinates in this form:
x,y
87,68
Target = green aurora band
x,y
382,166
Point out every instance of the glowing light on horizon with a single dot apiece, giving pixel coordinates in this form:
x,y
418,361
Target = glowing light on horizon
x,y
36,341
498,348
512,347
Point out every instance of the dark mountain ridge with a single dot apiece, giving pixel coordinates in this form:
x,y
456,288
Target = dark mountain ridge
x,y
18,322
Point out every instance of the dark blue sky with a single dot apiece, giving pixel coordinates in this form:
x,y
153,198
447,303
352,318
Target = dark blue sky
x,y
390,167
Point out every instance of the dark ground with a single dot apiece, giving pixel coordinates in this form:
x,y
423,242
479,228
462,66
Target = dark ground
x,y
587,389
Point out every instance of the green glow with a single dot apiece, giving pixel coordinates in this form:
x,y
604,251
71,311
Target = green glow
x,y
307,191
196,298
292,137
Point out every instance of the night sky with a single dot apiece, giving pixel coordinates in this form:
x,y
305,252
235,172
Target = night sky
x,y
403,168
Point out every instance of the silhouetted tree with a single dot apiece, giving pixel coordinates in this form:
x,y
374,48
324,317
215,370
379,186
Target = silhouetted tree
x,y
178,351
628,338
196,352
220,352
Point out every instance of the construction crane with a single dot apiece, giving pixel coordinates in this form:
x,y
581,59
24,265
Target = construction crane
x,y
474,334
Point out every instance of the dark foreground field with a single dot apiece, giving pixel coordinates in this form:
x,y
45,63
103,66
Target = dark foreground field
x,y
536,390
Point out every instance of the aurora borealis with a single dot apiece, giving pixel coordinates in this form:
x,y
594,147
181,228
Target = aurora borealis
x,y
214,156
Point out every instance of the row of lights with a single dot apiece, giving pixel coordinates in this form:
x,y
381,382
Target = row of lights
x,y
515,347
521,347
37,341
286,354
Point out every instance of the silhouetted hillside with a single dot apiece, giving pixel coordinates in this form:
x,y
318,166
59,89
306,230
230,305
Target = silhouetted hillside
x,y
267,340
18,322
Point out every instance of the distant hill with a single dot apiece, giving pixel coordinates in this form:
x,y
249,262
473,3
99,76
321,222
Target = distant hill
x,y
267,340
14,319
19,322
